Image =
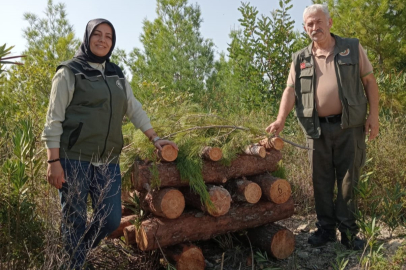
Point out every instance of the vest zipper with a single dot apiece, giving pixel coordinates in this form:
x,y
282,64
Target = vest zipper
x,y
316,113
340,90
111,114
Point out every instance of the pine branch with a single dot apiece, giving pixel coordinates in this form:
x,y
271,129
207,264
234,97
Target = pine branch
x,y
204,127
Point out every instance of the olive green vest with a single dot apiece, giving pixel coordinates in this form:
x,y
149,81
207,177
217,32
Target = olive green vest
x,y
351,91
93,119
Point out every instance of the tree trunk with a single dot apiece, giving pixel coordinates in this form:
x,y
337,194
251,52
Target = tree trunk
x,y
255,150
213,172
186,256
212,153
242,190
129,234
125,221
273,189
167,202
272,143
219,196
193,226
168,153
274,239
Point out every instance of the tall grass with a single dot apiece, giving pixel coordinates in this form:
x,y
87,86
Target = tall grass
x,y
30,210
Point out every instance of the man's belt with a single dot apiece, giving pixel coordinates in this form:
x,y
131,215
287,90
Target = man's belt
x,y
330,119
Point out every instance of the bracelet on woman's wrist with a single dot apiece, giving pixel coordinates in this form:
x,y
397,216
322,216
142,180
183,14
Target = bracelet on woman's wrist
x,y
53,160
155,139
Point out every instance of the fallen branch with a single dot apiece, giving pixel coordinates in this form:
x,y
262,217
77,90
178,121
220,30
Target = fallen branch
x,y
204,127
297,145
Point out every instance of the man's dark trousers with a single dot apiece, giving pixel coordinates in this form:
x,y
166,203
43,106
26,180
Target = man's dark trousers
x,y
339,154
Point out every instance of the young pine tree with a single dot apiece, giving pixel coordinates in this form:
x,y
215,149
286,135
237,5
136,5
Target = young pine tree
x,y
175,54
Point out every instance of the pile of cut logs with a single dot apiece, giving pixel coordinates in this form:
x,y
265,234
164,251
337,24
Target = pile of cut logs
x,y
244,196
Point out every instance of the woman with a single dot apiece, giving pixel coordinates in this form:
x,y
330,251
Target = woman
x,y
83,137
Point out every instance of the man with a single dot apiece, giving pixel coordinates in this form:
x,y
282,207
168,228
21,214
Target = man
x,y
327,83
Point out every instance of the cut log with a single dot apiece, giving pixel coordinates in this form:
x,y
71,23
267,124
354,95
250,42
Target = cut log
x,y
129,234
167,202
274,239
219,196
255,150
242,190
186,256
273,189
168,153
213,172
194,226
126,211
212,153
272,143
125,221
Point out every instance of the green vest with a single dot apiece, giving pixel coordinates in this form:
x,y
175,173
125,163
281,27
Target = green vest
x,y
93,119
351,91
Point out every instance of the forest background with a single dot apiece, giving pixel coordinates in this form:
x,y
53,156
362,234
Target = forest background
x,y
181,85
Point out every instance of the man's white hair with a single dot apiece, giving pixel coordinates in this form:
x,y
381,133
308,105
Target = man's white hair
x,y
314,8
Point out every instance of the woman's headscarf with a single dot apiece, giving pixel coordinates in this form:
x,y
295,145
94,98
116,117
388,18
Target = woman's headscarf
x,y
84,52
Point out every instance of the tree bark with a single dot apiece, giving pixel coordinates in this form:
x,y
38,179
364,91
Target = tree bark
x,y
125,221
272,143
212,153
273,189
274,239
219,196
126,211
193,226
255,150
166,202
213,172
242,190
168,153
129,234
186,256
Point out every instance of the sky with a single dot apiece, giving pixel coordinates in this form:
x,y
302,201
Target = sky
x,y
127,16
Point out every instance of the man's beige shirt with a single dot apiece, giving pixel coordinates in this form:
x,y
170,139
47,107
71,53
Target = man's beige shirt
x,y
63,87
326,96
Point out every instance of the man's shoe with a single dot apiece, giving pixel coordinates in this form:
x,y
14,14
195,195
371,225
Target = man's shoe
x,y
321,237
352,242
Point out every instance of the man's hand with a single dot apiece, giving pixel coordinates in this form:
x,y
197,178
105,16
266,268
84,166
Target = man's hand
x,y
276,127
55,174
372,127
371,90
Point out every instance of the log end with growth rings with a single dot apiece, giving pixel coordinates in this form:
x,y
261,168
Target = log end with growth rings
x,y
215,154
168,153
142,238
282,244
280,191
252,192
173,204
277,143
221,200
191,259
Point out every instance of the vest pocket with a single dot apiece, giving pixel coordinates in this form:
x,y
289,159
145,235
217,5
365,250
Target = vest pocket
x,y
74,136
357,112
306,80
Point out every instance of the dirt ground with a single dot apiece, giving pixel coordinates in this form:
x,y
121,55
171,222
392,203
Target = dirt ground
x,y
305,256
231,252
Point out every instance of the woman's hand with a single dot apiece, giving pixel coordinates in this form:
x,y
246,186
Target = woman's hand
x,y
55,174
160,143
